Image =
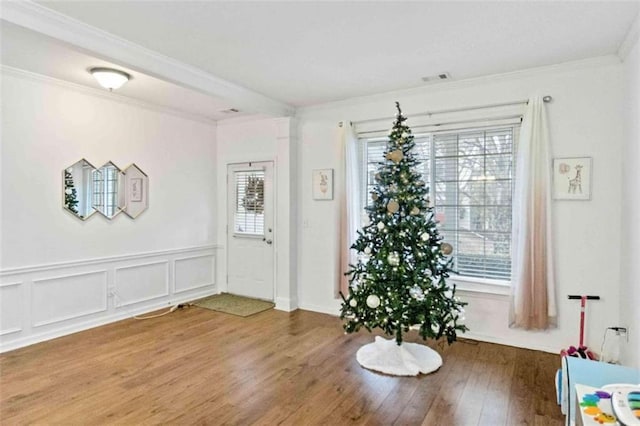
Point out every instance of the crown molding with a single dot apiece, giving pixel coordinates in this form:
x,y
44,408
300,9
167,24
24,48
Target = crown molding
x,y
103,94
599,61
110,47
630,39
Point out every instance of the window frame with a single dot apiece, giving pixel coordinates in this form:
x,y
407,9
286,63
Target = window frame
x,y
463,282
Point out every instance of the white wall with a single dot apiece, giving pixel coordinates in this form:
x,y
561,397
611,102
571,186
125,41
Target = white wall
x,y
630,289
586,119
56,270
264,140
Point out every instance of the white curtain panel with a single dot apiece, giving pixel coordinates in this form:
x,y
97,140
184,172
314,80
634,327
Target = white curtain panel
x,y
349,197
533,304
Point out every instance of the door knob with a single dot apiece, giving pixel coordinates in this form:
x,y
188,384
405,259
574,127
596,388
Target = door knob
x,y
269,241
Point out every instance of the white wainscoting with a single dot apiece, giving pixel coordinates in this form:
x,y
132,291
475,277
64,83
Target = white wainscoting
x,y
11,297
193,272
66,297
42,302
141,283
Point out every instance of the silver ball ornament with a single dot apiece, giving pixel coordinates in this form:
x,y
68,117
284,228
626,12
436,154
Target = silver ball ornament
x,y
373,301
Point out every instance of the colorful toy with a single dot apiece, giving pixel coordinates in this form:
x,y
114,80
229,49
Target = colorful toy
x,y
603,418
625,400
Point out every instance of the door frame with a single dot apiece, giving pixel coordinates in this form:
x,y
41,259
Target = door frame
x,y
274,215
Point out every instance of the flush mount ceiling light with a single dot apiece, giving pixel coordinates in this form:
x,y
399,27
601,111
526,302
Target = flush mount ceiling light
x,y
110,78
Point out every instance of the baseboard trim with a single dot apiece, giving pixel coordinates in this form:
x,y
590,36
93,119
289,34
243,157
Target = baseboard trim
x,y
333,311
286,305
119,316
505,342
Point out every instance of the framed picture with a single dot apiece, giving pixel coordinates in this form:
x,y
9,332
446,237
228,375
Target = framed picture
x,y
572,178
136,189
323,184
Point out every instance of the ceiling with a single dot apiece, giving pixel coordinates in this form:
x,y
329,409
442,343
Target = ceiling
x,y
305,53
34,52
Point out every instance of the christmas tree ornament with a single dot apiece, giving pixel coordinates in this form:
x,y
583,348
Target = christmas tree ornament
x,y
395,156
393,258
446,248
367,250
415,211
425,236
353,303
374,196
68,191
373,301
416,292
393,206
380,226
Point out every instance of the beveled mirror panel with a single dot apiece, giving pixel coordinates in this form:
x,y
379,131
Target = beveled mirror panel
x,y
77,181
108,191
136,191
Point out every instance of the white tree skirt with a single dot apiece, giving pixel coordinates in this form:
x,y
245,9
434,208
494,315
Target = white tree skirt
x,y
408,359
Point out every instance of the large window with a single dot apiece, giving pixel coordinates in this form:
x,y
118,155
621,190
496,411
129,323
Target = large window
x,y
470,176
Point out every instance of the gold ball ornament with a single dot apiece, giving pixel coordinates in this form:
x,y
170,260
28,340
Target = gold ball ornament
x,y
374,196
415,211
393,258
393,206
395,156
446,248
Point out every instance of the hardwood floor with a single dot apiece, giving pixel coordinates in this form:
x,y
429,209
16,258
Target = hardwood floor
x,y
197,366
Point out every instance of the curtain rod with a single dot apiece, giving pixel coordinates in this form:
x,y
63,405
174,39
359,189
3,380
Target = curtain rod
x,y
418,128
546,99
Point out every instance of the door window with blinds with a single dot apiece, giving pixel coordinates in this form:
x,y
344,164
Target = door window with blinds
x,y
470,174
249,203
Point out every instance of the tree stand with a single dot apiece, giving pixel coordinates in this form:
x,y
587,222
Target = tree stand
x,y
407,359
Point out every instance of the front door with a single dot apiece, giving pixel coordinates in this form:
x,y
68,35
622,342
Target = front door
x,y
250,232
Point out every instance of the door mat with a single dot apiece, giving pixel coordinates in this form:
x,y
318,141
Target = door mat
x,y
234,305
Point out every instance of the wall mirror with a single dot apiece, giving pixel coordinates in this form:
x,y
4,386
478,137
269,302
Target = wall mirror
x,y
136,184
78,189
107,190
108,194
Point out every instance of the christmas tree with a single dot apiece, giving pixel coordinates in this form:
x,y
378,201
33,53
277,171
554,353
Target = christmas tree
x,y
70,194
399,281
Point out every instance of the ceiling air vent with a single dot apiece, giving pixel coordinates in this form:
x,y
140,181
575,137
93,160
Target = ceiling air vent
x,y
230,111
443,76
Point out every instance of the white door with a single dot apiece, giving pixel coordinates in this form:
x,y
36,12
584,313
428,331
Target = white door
x,y
250,232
